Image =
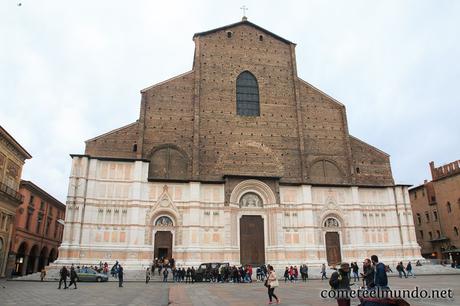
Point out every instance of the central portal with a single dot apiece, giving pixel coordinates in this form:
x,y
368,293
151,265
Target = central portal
x,y
252,245
163,245
333,248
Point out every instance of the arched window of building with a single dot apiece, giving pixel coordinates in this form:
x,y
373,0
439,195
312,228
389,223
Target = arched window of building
x,y
419,218
247,95
449,207
456,231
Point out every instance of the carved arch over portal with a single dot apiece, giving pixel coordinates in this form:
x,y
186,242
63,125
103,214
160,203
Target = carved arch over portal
x,y
253,186
163,221
163,207
331,222
332,214
250,199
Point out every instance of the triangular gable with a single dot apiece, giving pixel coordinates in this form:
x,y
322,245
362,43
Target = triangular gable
x,y
244,22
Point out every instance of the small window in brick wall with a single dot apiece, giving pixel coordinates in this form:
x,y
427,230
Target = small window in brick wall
x,y
229,34
135,147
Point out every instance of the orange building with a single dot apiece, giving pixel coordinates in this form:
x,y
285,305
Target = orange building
x,y
37,231
436,212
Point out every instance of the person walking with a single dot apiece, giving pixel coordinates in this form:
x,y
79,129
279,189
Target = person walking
x,y
271,283
409,270
368,275
147,275
400,269
340,281
165,275
64,273
380,276
73,277
355,272
120,276
323,272
286,274
302,272
42,274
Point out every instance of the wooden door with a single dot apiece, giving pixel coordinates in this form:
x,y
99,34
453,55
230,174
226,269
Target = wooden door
x,y
252,245
163,244
333,248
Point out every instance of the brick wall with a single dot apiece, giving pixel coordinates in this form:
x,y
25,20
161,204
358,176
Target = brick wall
x,y
190,121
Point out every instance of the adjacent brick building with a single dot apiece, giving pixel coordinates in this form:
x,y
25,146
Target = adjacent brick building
x,y
12,158
436,211
237,160
37,231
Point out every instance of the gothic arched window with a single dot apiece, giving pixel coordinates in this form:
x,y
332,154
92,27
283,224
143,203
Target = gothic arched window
x,y
247,95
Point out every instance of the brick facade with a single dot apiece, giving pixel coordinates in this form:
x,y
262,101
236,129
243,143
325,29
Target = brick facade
x,y
37,231
436,211
301,135
192,159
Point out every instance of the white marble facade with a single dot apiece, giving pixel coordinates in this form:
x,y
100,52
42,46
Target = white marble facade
x,y
112,213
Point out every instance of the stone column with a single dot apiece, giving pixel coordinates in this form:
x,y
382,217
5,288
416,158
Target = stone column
x,y
37,258
24,265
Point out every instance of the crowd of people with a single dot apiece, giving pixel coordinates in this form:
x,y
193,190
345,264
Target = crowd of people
x,y
373,275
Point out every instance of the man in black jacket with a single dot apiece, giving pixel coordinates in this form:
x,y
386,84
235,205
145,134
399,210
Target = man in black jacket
x,y
120,276
73,277
340,281
64,273
368,275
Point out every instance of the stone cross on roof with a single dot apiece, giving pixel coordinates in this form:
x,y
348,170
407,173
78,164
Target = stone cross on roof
x,y
244,9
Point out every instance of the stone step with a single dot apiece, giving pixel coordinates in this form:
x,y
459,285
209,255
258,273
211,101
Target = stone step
x,y
52,273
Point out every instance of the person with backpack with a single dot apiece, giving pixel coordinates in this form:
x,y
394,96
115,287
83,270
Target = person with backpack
x,y
340,281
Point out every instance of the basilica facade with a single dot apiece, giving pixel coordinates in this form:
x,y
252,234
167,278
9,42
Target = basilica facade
x,y
238,160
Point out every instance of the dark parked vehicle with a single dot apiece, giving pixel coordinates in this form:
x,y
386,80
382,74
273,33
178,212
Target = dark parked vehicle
x,y
209,271
91,275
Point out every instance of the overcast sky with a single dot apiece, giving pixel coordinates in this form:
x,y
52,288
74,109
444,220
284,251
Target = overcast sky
x,y
72,70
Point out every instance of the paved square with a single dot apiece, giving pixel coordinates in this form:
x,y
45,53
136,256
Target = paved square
x,y
20,293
